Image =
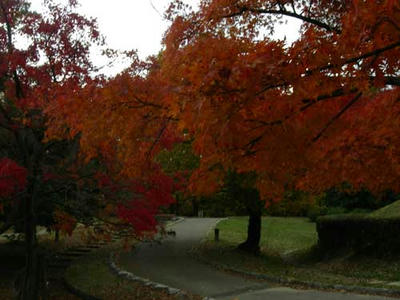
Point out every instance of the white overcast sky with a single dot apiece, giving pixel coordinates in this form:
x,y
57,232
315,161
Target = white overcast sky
x,y
138,24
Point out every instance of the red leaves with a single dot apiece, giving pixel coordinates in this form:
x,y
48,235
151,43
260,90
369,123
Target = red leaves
x,y
149,196
138,200
56,52
13,177
141,217
160,190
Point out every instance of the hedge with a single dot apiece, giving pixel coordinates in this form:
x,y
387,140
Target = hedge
x,y
360,233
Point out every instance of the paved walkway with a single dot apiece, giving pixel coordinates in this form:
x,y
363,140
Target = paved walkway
x,y
169,263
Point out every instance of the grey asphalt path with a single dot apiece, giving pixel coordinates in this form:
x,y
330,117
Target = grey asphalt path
x,y
169,263
285,293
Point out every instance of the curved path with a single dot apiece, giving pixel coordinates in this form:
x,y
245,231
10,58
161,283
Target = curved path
x,y
168,263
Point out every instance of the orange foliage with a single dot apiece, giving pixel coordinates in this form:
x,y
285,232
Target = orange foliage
x,y
312,114
121,121
315,113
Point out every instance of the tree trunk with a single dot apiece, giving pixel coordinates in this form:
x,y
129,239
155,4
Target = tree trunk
x,y
252,243
254,207
195,207
30,284
33,281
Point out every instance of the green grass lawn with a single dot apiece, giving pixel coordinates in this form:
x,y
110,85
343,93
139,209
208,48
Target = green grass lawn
x,y
93,276
287,252
279,235
388,211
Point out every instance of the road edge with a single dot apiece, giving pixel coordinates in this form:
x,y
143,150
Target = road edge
x,y
155,285
298,283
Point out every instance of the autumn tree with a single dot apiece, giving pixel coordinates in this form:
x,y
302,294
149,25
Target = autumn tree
x,y
123,123
309,115
54,63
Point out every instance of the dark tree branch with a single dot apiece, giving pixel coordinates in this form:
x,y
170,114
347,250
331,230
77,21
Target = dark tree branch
x,y
308,103
293,7
271,87
254,141
336,93
283,12
391,80
337,116
355,59
146,103
158,138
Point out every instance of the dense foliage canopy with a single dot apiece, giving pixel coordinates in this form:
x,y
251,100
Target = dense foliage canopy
x,y
313,114
310,115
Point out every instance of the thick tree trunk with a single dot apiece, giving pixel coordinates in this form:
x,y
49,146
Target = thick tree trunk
x,y
32,282
255,207
252,243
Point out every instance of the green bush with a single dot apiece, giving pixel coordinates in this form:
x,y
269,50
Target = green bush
x,y
346,197
316,211
334,211
359,233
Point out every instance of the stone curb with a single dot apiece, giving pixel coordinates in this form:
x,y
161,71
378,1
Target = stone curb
x,y
179,219
158,286
306,284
